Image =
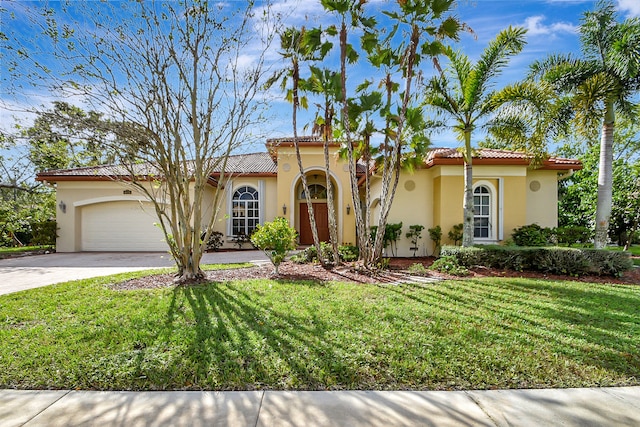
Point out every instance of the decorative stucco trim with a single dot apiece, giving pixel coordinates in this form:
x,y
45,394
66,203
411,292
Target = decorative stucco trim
x,y
107,199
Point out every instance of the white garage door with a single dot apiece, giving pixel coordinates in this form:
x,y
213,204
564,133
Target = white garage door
x,y
121,226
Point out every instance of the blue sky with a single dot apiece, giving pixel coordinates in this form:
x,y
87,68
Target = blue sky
x,y
551,25
551,28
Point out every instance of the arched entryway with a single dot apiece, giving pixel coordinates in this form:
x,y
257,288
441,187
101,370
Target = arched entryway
x,y
317,184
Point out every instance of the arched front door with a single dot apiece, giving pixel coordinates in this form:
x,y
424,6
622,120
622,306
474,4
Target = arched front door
x,y
318,194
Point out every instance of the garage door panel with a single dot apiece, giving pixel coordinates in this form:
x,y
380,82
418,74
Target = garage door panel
x,y
121,226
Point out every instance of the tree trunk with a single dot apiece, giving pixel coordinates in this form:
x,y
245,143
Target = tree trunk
x,y
362,219
333,225
605,179
467,230
303,177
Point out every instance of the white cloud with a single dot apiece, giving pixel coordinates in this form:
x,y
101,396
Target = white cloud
x,y
632,7
536,27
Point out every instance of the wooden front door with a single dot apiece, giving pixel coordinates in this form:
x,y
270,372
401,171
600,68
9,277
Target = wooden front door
x,y
321,212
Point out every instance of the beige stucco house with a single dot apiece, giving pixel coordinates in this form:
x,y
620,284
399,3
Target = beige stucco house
x,y
97,212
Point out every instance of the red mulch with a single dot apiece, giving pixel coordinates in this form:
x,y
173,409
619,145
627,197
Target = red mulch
x,y
397,267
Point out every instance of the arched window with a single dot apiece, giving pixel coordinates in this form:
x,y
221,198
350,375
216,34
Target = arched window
x,y
245,211
482,212
316,191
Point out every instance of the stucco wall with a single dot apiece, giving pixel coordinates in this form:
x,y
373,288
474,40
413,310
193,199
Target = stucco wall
x,y
313,161
542,198
413,205
76,194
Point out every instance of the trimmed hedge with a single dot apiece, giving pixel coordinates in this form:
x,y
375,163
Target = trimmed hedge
x,y
553,260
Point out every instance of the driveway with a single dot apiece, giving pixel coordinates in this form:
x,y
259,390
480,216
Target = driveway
x,y
17,274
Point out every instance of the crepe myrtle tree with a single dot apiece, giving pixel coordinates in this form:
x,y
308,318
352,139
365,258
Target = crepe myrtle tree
x,y
178,80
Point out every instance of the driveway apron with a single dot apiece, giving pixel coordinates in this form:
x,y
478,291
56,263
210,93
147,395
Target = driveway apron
x,y
28,272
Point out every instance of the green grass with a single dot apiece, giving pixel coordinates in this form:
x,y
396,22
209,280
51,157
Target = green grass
x,y
265,334
21,249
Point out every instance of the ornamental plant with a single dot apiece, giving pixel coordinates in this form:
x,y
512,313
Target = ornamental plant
x,y
275,239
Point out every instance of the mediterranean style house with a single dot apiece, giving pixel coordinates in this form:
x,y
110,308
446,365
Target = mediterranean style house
x,y
98,212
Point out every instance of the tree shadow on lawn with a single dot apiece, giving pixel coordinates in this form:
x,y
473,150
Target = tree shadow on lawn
x,y
591,324
241,343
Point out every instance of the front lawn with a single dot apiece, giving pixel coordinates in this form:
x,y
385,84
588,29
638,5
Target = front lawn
x,y
266,334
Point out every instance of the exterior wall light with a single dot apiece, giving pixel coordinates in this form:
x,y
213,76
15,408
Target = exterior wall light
x,y
348,209
63,207
284,209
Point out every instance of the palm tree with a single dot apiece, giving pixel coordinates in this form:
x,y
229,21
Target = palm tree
x,y
300,46
464,93
601,83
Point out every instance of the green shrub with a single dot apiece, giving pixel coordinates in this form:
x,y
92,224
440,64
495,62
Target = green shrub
x,y
44,233
573,234
449,265
414,235
418,269
276,239
465,256
435,234
571,262
553,260
531,235
609,263
455,234
392,233
348,253
215,241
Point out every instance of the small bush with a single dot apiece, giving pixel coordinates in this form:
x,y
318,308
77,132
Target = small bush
x,y
611,263
455,234
449,265
573,234
241,239
215,241
418,269
435,234
275,239
392,232
348,253
44,233
531,235
414,234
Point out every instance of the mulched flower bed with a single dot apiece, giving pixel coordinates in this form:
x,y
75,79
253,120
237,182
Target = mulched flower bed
x,y
397,269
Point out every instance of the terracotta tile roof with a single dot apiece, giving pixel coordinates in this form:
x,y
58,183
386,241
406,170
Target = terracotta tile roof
x,y
488,156
255,163
263,164
289,140
102,171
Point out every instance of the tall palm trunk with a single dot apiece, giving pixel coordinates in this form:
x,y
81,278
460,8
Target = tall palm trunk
x,y
303,176
361,224
467,229
331,208
605,178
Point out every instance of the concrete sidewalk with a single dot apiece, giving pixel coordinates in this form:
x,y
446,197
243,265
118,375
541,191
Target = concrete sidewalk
x,y
17,274
617,406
